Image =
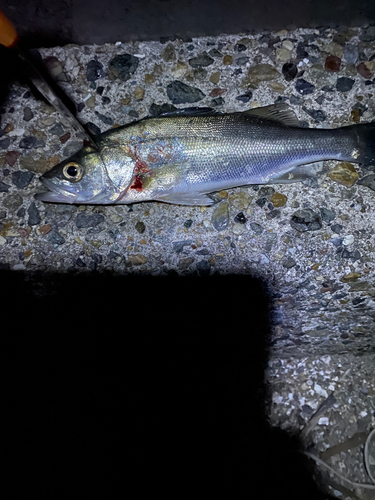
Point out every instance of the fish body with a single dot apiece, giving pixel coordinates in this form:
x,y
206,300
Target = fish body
x,y
183,156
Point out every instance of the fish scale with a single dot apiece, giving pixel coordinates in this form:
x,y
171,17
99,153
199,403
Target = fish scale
x,y
225,154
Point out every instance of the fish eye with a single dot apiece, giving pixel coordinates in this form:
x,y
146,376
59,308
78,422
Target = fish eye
x,y
72,171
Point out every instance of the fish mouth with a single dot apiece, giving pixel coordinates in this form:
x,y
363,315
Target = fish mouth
x,y
55,194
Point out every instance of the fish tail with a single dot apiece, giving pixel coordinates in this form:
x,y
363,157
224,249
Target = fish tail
x,y
365,141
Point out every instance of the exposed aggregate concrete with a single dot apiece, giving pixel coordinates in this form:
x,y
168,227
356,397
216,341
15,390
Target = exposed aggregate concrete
x,y
312,242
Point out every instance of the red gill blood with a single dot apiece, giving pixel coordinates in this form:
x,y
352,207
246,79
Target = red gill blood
x,y
137,184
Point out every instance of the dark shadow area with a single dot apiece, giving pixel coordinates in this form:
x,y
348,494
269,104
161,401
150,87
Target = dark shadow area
x,y
46,23
42,23
11,73
144,384
18,71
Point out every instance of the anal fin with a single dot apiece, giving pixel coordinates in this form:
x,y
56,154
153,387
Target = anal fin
x,y
298,174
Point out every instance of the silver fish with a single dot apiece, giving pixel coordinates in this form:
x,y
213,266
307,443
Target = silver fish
x,y
182,156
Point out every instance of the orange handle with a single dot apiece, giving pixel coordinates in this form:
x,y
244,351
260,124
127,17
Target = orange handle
x,y
8,34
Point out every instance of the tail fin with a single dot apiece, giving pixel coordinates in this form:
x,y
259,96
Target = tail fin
x,y
365,135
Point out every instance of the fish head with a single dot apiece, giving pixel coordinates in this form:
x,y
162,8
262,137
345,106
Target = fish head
x,y
82,178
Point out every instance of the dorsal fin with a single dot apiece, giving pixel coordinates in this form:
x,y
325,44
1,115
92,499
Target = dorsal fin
x,y
193,111
280,113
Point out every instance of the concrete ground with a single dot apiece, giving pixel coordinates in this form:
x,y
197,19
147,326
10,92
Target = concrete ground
x,y
311,243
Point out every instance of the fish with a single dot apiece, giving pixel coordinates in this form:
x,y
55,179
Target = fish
x,y
183,156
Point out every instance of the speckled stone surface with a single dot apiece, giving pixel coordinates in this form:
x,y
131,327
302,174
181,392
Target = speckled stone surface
x,y
312,242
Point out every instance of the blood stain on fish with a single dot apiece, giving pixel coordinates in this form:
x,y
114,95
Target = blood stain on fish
x,y
137,184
